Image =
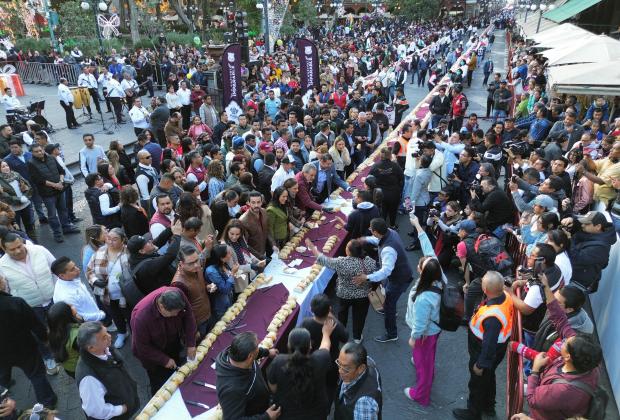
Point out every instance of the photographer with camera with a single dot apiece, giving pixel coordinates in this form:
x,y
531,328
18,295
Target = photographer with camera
x,y
540,262
552,187
465,173
493,152
591,241
445,227
437,167
494,203
419,197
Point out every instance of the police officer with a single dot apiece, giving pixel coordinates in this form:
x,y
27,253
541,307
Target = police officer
x,y
489,331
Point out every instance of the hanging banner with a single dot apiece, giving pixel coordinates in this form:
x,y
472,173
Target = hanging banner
x,y
231,81
308,64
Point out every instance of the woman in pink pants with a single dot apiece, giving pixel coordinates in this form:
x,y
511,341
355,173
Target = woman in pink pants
x,y
422,317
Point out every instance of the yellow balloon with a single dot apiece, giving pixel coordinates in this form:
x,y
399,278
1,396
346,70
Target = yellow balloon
x,y
279,42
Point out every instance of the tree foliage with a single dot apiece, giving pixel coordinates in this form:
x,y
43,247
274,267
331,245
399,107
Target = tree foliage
x,y
73,21
305,12
415,9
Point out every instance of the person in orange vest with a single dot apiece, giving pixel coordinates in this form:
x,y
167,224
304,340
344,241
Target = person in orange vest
x,y
399,149
489,332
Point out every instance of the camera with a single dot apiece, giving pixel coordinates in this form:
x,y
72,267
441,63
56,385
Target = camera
x,y
476,187
415,154
435,210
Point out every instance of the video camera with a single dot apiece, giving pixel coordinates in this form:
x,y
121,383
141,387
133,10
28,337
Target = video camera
x,y
435,210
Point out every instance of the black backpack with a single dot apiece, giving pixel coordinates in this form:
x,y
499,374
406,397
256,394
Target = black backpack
x,y
450,307
598,401
493,254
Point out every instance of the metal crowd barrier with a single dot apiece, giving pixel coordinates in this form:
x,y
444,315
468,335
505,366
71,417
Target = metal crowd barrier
x,y
514,361
47,73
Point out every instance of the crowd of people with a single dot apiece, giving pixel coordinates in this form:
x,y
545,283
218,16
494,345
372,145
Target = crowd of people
x,y
180,231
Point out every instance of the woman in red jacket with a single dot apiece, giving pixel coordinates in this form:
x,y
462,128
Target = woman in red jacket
x,y
549,396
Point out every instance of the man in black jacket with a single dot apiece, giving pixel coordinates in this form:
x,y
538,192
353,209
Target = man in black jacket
x,y
48,176
241,388
106,389
496,205
439,107
358,222
18,347
364,135
153,270
590,245
159,117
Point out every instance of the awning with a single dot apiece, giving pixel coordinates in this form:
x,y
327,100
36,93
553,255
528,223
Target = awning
x,y
563,31
586,79
565,41
569,9
595,49
529,27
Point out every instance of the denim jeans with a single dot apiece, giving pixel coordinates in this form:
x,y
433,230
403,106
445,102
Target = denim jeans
x,y
32,366
498,115
57,213
616,221
393,290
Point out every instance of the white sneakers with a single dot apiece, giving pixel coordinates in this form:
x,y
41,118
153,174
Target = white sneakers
x,y
360,340
120,341
51,367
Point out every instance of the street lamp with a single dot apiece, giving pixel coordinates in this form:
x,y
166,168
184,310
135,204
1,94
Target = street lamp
x,y
102,6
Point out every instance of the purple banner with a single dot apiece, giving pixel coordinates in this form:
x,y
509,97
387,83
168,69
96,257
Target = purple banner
x,y
308,64
231,74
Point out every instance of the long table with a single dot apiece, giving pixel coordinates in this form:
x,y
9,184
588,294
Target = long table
x,y
262,305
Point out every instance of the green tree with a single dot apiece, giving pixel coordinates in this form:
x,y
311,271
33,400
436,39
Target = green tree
x,y
254,15
74,21
415,9
305,12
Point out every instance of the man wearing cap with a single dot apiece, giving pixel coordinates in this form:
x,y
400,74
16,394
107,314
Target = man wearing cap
x,y
284,172
153,270
533,308
552,187
237,148
502,99
591,242
258,160
439,107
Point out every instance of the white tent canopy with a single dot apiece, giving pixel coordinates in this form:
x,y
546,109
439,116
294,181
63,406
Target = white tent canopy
x,y
565,30
597,49
565,41
586,79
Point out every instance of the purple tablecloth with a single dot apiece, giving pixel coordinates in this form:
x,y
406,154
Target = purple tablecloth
x,y
262,305
319,236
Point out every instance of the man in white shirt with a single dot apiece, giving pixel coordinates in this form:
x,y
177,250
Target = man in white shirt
x,y
10,102
72,291
88,81
27,271
106,389
146,177
186,105
66,102
116,94
139,116
131,89
104,79
284,172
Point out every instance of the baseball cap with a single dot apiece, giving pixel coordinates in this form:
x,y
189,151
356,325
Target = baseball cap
x,y
137,242
593,218
545,201
238,142
49,148
468,226
503,82
285,159
265,146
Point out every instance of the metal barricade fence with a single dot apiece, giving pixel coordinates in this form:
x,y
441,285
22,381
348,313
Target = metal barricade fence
x,y
47,73
514,361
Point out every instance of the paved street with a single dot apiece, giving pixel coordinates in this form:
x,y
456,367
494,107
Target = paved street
x,y
450,386
71,140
